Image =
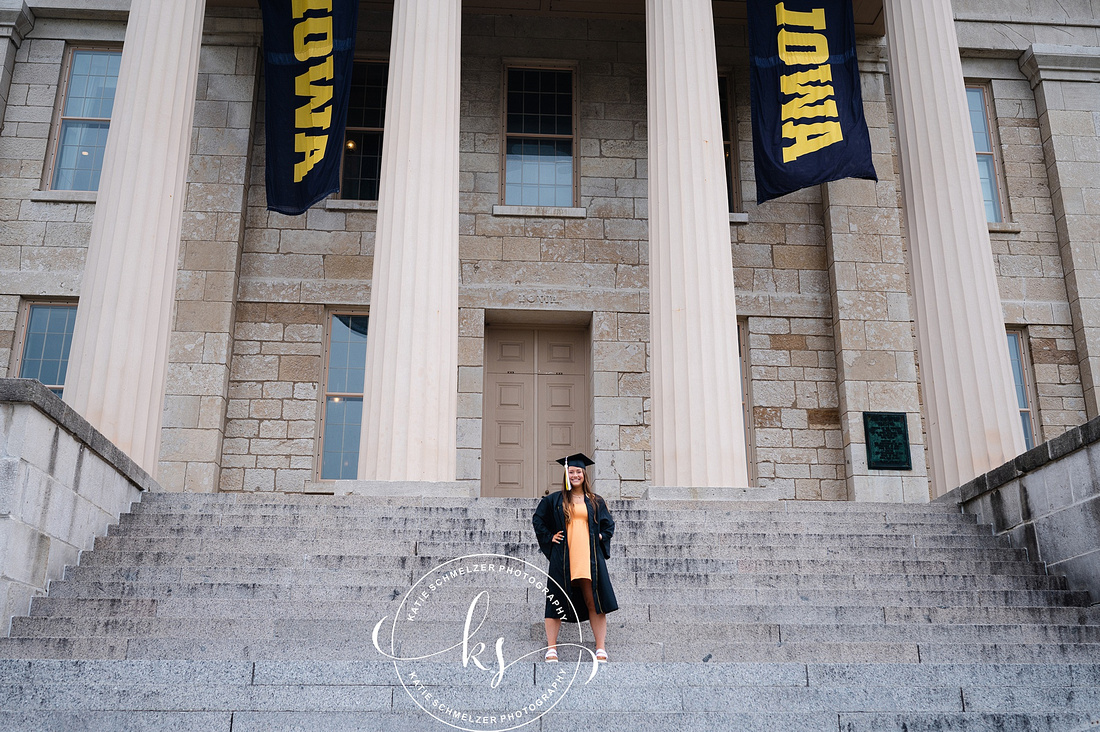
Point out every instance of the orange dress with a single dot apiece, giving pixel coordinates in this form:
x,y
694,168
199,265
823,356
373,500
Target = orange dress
x,y
580,554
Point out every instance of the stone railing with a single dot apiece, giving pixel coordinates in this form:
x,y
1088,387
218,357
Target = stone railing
x,y
1048,501
61,484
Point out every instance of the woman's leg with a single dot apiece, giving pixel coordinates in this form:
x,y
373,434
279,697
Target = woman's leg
x,y
598,621
553,625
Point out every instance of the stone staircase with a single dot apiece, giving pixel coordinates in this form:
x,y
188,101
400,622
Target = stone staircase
x,y
249,612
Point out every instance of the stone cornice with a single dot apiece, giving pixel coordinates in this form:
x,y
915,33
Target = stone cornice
x,y
1046,62
16,23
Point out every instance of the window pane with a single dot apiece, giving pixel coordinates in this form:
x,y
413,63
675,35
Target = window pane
x,y
539,172
46,344
362,166
1025,418
1016,358
986,174
367,105
540,102
343,416
975,99
93,78
80,155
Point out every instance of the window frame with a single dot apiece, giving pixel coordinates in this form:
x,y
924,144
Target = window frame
x,y
1026,367
502,166
22,323
322,388
730,137
369,59
58,118
994,143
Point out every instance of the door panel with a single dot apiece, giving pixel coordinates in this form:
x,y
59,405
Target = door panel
x,y
536,408
508,468
563,417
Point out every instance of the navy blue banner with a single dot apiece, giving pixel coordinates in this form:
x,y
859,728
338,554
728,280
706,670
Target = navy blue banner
x,y
807,109
309,47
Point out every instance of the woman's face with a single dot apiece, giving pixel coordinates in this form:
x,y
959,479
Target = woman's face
x,y
576,476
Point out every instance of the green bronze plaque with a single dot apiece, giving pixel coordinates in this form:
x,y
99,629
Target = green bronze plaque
x,y
887,441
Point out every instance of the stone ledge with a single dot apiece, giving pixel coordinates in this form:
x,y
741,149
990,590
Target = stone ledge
x,y
1035,458
63,196
384,488
341,204
31,391
1004,227
682,493
550,212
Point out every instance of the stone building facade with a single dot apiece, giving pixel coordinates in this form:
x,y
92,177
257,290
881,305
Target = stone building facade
x,y
825,301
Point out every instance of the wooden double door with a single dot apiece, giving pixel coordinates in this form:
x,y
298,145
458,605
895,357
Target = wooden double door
x,y
536,408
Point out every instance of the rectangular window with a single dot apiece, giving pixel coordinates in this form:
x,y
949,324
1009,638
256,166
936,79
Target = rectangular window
x,y
733,194
362,167
539,138
87,96
988,170
46,334
342,416
1021,376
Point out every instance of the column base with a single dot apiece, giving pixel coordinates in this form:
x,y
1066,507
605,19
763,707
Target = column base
x,y
682,493
402,488
887,489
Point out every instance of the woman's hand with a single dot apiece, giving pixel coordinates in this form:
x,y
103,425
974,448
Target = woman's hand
x,y
558,537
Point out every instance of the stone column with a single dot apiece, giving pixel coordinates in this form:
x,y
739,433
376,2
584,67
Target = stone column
x,y
411,391
16,21
119,358
973,423
1067,97
698,434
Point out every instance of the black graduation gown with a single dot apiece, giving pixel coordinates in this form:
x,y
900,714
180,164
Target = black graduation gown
x,y
548,520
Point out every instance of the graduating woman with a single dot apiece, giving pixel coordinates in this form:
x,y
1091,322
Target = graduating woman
x,y
574,530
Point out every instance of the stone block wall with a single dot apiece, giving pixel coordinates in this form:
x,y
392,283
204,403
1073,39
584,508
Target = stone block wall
x,y
210,253
274,407
61,484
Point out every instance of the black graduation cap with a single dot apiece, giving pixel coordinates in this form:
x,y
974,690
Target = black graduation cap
x,y
577,460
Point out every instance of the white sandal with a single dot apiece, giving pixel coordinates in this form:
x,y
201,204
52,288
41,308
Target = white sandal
x,y
601,655
551,655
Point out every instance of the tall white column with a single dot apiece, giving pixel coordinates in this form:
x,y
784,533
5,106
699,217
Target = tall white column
x,y
118,364
410,402
973,419
698,434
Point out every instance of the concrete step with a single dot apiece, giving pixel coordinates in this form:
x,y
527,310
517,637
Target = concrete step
x,y
420,565
181,607
387,576
716,651
260,721
526,538
626,630
626,594
944,523
289,501
793,549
